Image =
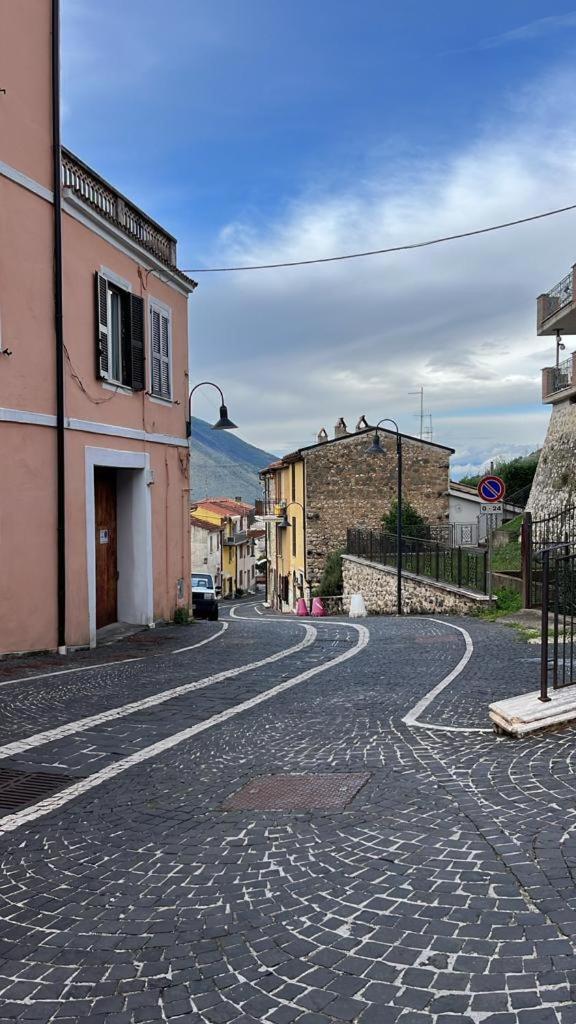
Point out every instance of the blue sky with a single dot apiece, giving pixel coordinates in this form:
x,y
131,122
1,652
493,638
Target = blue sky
x,y
266,130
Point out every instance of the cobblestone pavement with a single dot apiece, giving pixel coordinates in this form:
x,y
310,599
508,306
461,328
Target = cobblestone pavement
x,y
443,892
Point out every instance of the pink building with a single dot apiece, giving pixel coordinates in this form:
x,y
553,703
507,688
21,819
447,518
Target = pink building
x,y
94,524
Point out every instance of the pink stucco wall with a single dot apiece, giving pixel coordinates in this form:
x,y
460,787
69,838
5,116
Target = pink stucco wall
x,y
27,378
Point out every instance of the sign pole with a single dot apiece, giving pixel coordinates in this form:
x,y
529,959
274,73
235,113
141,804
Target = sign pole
x,y
491,489
489,518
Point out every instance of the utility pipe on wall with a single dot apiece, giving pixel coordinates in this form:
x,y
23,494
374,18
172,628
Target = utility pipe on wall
x,y
59,330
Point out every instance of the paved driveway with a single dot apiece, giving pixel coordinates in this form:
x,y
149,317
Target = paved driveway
x,y
442,891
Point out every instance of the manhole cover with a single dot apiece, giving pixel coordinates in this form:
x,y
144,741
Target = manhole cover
x,y
297,793
21,789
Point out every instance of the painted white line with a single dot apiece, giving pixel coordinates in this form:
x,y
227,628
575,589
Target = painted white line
x,y
258,610
412,717
14,821
112,664
82,724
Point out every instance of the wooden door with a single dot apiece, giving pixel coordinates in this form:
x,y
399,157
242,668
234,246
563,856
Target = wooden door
x,y
106,549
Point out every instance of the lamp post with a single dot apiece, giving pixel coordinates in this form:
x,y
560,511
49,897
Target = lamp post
x,y
377,449
223,422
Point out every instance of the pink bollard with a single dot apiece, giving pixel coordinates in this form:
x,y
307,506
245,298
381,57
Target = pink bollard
x,y
318,608
301,607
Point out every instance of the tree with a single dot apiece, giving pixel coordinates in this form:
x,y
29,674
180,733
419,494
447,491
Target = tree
x,y
331,583
413,525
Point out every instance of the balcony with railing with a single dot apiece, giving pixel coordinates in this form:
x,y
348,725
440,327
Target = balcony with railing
x,y
557,307
232,539
559,382
80,182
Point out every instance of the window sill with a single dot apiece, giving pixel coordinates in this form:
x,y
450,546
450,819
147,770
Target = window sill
x,y
158,400
123,389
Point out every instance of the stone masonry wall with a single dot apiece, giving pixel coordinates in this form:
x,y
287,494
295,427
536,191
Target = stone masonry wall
x,y
377,584
554,485
345,487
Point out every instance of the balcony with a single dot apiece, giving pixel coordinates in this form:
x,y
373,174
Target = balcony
x,y
83,183
557,307
559,382
236,538
270,510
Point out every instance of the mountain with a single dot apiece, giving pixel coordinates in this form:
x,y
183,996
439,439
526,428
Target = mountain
x,y
224,465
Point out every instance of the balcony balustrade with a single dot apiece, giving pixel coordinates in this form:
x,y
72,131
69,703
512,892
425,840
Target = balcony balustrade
x,y
556,309
559,382
93,190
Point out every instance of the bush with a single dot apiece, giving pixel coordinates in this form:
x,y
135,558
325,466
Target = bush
x,y
181,616
331,583
413,525
508,600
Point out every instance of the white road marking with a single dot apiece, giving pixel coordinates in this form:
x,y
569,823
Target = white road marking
x,y
14,821
82,724
112,664
412,717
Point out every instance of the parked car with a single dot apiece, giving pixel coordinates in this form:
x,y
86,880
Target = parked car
x,y
204,599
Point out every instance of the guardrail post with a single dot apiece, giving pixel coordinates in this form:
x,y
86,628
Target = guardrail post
x,y
544,628
526,556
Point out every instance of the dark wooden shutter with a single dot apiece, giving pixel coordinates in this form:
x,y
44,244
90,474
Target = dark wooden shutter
x,y
102,364
138,382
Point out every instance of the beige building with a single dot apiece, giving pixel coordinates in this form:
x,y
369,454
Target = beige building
x,y
206,545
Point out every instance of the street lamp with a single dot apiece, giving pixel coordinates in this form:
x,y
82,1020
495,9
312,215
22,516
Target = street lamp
x,y
223,422
377,449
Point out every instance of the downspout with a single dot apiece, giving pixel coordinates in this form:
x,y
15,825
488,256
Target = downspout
x,y
59,329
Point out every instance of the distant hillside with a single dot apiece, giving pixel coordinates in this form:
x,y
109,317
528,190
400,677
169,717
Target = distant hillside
x,y
224,465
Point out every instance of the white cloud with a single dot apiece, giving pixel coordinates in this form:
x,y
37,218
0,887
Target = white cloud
x,y
531,30
298,348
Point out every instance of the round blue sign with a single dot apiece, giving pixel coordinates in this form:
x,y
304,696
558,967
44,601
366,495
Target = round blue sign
x,y
491,488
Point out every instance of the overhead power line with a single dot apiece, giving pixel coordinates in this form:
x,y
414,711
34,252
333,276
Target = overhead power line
x,y
381,252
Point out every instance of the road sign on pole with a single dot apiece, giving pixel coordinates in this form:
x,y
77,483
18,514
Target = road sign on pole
x,y
491,488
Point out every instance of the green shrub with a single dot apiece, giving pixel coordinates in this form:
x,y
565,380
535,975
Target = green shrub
x,y
181,616
508,600
331,583
413,525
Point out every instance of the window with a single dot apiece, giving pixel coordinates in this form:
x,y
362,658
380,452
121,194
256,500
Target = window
x,y
294,536
160,346
119,335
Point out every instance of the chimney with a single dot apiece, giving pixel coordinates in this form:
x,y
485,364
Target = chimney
x,y
322,435
238,499
341,430
362,424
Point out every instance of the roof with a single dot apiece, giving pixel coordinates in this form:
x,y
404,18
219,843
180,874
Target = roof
x,y
204,524
464,491
225,506
298,454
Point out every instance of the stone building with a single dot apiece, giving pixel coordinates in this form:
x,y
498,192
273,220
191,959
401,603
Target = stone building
x,y
554,486
315,494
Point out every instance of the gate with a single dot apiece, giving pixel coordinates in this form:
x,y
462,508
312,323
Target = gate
x,y
537,536
557,668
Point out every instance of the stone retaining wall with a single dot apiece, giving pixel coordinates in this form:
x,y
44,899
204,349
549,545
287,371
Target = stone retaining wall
x,y
377,584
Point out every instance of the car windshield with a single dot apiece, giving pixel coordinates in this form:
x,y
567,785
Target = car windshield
x,y
203,582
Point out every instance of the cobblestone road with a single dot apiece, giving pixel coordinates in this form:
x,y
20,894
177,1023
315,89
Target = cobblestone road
x,y
443,892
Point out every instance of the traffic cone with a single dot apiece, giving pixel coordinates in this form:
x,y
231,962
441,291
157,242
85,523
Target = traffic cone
x,y
318,608
301,607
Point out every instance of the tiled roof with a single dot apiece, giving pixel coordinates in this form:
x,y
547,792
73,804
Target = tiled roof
x,y
204,524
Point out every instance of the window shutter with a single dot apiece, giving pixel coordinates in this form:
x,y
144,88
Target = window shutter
x,y
156,356
160,345
102,363
165,357
138,382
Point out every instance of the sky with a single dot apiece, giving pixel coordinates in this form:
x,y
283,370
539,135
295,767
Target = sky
x,y
258,131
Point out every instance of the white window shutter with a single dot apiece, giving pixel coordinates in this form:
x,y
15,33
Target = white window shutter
x,y
161,340
156,359
102,357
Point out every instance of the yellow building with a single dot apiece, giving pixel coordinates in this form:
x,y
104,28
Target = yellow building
x,y
285,521
238,561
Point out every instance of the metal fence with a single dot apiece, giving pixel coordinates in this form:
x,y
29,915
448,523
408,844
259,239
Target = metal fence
x,y
461,566
539,535
557,667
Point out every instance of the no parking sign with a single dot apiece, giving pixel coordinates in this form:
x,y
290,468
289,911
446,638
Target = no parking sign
x,y
491,488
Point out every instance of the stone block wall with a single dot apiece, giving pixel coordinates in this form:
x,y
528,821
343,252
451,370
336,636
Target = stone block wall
x,y
345,488
377,584
554,486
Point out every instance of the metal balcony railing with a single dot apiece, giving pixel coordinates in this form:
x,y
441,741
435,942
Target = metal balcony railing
x,y
236,538
561,376
560,295
112,205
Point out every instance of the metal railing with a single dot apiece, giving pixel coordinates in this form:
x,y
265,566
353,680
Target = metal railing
x,y
240,537
560,376
537,536
463,567
557,666
559,296
109,203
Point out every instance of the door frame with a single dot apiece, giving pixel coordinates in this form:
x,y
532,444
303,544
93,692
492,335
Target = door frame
x,y
115,459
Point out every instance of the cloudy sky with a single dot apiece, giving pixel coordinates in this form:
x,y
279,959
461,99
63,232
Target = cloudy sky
x,y
260,131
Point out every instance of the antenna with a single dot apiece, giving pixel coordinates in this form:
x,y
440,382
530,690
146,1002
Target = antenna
x,y
420,392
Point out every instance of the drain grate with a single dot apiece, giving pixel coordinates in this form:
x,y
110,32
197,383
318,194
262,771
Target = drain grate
x,y
297,792
21,789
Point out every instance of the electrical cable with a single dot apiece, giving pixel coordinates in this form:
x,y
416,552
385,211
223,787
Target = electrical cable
x,y
381,252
